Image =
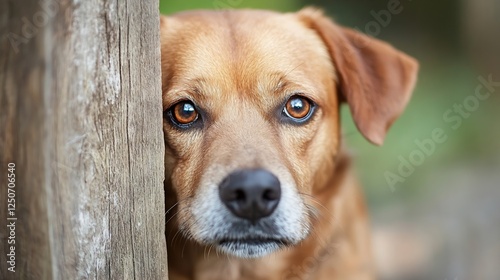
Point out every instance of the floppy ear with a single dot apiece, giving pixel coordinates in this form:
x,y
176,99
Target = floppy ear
x,y
375,79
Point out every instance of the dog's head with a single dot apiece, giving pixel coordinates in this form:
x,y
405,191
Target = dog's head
x,y
251,102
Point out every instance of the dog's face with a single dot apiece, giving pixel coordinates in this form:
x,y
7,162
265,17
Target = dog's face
x,y
251,120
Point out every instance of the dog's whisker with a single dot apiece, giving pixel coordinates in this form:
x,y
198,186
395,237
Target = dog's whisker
x,y
210,248
172,242
184,246
308,196
329,217
173,239
312,199
183,225
291,70
175,204
173,215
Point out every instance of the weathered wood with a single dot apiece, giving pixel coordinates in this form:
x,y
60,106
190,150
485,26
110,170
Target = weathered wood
x,y
81,118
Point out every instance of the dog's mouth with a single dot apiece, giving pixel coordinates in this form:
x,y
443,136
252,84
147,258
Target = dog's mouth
x,y
252,247
253,241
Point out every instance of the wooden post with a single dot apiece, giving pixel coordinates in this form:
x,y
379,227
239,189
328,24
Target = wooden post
x,y
81,120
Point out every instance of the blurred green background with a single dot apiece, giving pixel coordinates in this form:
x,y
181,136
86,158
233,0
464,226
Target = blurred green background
x,y
442,221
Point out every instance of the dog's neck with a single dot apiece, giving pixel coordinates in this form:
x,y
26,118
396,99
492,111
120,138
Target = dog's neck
x,y
338,247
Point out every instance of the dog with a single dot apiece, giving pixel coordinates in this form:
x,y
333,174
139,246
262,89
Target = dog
x,y
258,184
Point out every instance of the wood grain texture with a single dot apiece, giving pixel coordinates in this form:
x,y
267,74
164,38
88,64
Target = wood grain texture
x,y
81,117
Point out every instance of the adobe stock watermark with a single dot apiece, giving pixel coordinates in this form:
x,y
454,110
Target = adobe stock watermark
x,y
381,19
11,217
454,116
31,27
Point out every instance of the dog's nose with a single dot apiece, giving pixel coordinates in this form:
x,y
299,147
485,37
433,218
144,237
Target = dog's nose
x,y
250,194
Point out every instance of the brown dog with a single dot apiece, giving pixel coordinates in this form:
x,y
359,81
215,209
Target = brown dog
x,y
257,184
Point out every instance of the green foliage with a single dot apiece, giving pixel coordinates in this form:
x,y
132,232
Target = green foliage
x,y
170,6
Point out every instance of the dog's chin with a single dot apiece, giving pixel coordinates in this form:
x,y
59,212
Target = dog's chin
x,y
251,247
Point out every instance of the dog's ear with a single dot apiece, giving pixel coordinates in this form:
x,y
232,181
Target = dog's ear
x,y
375,79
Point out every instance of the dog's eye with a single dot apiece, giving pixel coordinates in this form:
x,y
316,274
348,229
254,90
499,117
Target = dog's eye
x,y
183,113
298,108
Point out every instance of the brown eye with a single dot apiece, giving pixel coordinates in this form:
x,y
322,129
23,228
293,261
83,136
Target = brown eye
x,y
297,107
184,113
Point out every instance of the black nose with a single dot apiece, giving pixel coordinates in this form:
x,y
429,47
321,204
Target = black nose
x,y
250,194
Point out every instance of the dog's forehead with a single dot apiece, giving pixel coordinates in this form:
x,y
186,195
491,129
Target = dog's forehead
x,y
244,51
